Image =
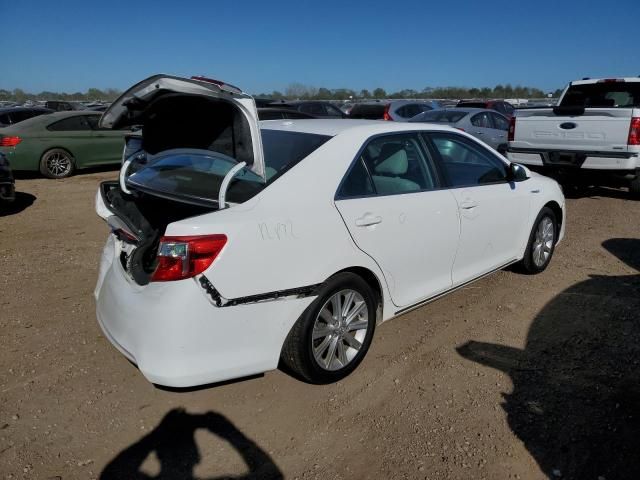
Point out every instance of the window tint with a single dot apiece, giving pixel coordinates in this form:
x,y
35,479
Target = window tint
x,y
508,108
314,109
77,123
500,122
331,110
368,111
357,183
466,163
4,119
447,116
282,149
481,120
609,94
397,164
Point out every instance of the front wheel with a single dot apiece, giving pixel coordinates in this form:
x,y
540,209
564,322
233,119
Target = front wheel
x,y
542,242
333,334
56,163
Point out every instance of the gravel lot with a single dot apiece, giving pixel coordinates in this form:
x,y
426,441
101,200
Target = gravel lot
x,y
512,377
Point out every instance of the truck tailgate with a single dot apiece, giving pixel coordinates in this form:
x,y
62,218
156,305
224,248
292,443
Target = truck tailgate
x,y
598,129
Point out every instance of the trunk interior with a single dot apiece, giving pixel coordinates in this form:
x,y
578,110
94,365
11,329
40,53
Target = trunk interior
x,y
178,120
147,216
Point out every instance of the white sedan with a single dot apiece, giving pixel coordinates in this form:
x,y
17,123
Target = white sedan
x,y
236,244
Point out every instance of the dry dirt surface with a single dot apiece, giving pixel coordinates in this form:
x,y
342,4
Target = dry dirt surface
x,y
515,376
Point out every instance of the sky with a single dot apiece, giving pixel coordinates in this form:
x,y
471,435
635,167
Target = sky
x,y
69,46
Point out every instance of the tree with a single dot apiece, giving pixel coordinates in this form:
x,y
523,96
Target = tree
x,y
364,93
379,93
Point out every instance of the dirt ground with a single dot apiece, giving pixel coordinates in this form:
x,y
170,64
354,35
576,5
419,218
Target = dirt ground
x,y
513,377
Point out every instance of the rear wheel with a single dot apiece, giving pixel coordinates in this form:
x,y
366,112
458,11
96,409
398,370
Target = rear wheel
x,y
56,163
332,336
542,242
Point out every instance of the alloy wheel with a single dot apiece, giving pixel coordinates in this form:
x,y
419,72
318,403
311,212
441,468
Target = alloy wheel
x,y
58,164
340,330
543,242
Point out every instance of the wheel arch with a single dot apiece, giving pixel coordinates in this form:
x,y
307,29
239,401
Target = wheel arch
x,y
54,147
373,281
557,210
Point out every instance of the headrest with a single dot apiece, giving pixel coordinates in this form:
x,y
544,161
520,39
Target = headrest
x,y
395,164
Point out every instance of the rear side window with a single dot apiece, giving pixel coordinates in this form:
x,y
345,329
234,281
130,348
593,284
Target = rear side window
x,y
605,94
4,119
314,109
500,122
467,164
395,163
71,124
482,120
368,111
282,149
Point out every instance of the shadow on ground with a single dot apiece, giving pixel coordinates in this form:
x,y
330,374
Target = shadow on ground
x,y
22,202
576,385
174,445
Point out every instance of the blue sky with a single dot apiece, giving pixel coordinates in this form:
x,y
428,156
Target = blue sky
x,y
262,46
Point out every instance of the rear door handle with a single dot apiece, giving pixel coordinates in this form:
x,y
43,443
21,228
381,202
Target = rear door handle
x,y
468,204
368,220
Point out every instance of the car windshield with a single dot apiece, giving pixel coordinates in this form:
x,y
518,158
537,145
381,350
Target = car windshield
x,y
603,94
444,116
195,175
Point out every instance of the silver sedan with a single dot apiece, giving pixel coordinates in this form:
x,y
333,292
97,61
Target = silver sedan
x,y
487,125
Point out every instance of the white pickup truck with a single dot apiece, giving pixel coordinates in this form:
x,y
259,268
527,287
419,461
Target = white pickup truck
x,y
595,127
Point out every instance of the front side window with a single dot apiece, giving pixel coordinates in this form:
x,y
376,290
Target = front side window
x,y
71,124
395,163
466,163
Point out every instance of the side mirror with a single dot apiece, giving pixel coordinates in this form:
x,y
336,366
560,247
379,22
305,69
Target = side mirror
x,y
517,173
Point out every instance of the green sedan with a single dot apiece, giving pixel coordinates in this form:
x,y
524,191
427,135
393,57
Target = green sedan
x,y
58,143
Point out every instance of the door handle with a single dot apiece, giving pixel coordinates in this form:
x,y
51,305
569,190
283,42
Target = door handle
x,y
367,220
468,204
480,133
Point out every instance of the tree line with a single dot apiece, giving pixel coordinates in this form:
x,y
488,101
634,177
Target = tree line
x,y
306,92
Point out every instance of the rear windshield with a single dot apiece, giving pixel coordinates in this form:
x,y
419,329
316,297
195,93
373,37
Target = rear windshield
x,y
605,94
368,111
471,104
446,116
195,175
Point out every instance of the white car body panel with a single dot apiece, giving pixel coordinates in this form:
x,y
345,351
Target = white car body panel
x,y
392,241
292,235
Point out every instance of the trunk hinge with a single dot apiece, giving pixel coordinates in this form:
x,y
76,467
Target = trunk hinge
x,y
225,184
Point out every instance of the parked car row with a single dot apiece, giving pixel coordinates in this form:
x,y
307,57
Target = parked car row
x,y
362,220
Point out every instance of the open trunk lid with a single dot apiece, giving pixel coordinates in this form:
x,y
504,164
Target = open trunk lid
x,y
195,113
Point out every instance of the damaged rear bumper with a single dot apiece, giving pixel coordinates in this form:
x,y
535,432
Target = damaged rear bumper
x,y
178,338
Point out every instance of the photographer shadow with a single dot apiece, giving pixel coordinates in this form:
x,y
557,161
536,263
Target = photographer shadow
x,y
173,442
576,385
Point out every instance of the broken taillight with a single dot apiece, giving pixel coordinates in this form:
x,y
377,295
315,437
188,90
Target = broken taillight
x,y
186,257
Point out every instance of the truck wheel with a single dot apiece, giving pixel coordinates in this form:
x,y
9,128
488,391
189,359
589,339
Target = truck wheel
x,y
333,334
542,242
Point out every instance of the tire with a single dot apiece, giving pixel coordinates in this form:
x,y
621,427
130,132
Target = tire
x,y
535,260
310,358
57,163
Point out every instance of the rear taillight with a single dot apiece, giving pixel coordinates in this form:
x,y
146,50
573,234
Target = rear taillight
x,y
9,141
634,132
186,257
512,129
385,115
